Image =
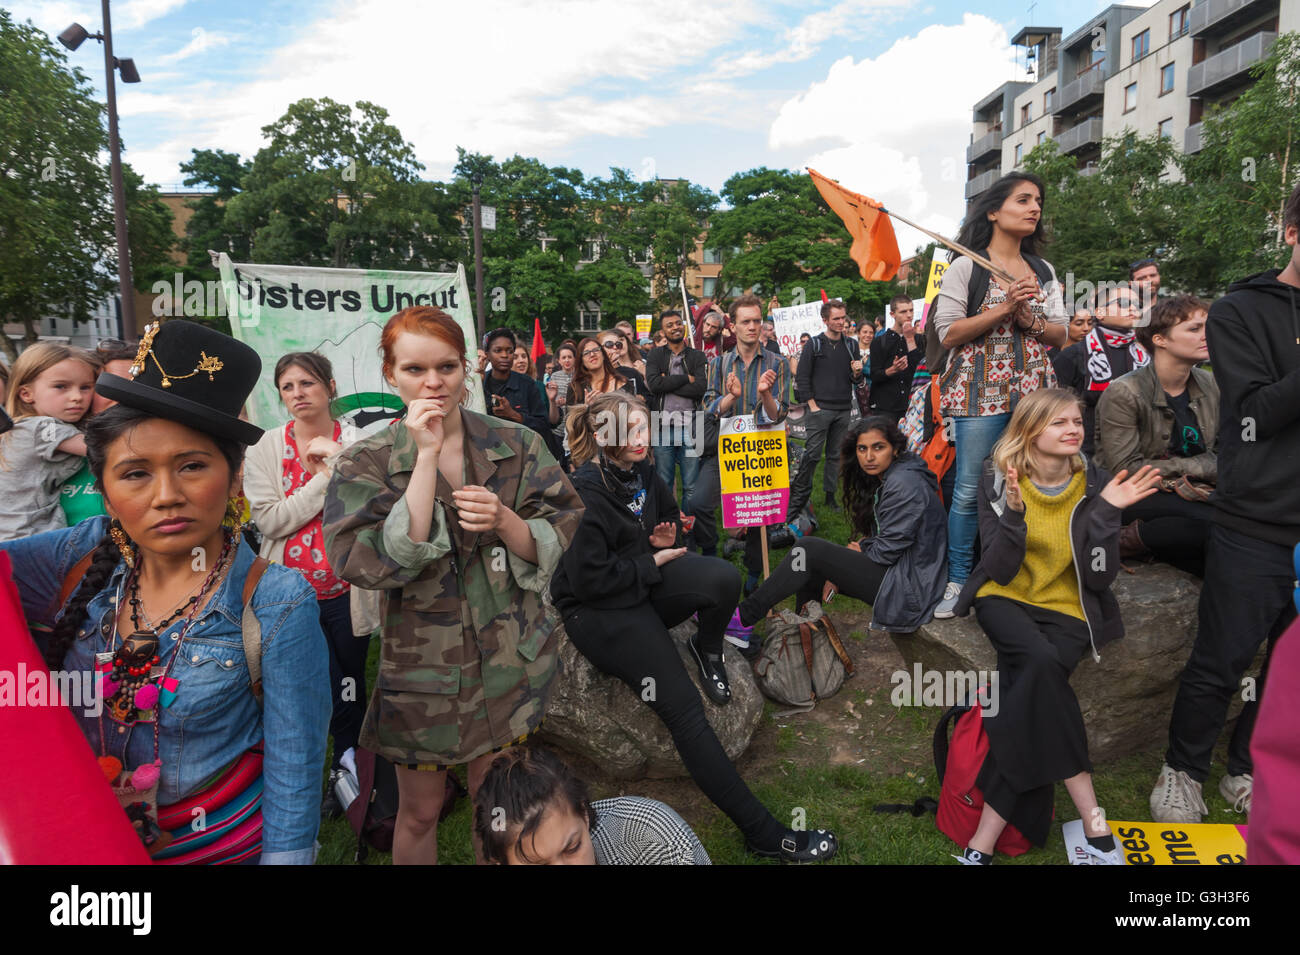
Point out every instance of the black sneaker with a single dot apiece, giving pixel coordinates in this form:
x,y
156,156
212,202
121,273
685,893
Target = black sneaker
x,y
713,674
820,846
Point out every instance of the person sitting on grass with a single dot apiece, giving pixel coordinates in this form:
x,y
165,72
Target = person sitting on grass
x,y
899,566
532,809
1049,538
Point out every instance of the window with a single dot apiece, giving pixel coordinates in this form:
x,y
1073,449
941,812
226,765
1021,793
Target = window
x,y
710,285
1130,97
1020,152
1179,22
588,321
1095,60
590,251
672,284
712,257
1166,79
1026,114
1165,128
642,256
1042,138
1049,100
1141,45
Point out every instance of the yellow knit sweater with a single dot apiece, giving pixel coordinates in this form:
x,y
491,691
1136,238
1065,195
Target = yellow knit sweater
x,y
1047,577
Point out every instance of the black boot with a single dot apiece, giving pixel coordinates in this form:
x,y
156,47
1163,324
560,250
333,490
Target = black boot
x,y
713,674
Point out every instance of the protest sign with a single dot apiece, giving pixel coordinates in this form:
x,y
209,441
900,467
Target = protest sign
x,y
932,286
753,465
339,313
643,323
793,321
1165,843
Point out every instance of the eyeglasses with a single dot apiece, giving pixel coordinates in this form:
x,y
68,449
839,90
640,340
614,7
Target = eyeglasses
x,y
614,345
110,344
590,351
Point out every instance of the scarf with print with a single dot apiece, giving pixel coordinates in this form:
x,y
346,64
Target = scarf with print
x,y
1099,370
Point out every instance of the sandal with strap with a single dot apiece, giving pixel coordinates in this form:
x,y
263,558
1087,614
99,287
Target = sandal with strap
x,y
820,847
713,673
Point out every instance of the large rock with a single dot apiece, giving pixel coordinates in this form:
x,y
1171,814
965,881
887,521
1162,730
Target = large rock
x,y
599,717
1127,698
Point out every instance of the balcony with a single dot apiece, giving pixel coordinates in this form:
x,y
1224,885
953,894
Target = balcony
x,y
981,183
1229,66
1193,142
1091,169
1083,92
1077,138
1217,17
981,147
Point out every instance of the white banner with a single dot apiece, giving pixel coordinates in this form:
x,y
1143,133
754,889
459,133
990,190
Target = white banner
x,y
339,313
793,321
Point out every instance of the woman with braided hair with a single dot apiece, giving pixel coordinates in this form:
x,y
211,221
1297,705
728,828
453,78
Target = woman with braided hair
x,y
193,639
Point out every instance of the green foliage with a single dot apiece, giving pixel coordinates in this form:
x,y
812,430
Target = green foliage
x,y
920,271
616,285
150,234
789,240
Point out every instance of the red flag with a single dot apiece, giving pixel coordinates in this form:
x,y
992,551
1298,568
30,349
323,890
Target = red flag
x,y
875,247
825,298
539,346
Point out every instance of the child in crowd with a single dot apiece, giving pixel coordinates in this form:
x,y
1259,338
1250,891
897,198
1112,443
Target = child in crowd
x,y
1049,537
50,391
531,809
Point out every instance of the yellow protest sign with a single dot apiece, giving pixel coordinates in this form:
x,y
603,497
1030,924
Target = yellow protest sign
x,y
937,269
1167,843
643,323
755,475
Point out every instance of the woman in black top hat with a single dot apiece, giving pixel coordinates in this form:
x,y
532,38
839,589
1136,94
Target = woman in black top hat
x,y
193,639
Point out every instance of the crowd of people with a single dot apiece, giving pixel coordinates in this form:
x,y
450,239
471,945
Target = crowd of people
x,y
1006,460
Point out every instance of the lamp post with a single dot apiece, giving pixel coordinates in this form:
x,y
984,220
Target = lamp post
x,y
72,38
481,319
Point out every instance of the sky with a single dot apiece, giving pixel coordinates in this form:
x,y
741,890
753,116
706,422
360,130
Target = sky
x,y
875,93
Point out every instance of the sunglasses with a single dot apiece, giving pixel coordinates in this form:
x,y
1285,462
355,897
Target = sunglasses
x,y
614,346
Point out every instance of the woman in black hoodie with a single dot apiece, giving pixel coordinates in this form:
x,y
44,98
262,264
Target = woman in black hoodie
x,y
623,582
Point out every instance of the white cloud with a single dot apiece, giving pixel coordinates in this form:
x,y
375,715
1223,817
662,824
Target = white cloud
x,y
53,15
846,20
896,127
202,42
136,13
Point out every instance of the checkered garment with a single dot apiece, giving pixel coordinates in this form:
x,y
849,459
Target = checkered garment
x,y
632,830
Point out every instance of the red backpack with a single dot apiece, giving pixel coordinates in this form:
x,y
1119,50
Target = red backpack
x,y
958,762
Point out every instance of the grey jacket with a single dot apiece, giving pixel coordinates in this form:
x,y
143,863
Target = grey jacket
x,y
912,538
1134,423
1094,543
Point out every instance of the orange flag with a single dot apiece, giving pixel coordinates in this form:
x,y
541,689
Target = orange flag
x,y
875,247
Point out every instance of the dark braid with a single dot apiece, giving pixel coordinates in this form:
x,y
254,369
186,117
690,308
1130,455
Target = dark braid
x,y
65,631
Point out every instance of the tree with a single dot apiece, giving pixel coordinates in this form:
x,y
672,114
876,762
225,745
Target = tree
x,y
673,215
919,274
220,173
615,285
536,284
790,243
151,237
56,220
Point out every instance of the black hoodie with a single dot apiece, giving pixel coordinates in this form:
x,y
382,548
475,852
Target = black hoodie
x,y
610,564
1254,339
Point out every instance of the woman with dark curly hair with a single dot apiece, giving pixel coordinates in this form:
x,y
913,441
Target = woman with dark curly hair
x,y
900,564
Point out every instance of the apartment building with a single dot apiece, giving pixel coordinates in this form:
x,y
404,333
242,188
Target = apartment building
x,y
1153,70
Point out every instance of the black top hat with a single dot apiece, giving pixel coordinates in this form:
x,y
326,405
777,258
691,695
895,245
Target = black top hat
x,y
193,375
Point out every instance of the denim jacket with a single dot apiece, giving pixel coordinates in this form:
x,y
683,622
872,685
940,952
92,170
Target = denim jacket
x,y
214,717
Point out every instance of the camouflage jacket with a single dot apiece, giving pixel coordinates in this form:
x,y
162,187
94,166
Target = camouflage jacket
x,y
468,648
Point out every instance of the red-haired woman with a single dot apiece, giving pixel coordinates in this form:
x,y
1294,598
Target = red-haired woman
x,y
462,518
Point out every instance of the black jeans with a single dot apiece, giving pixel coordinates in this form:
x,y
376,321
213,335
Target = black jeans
x,y
634,645
811,562
1037,735
1174,530
1245,600
826,430
705,500
347,672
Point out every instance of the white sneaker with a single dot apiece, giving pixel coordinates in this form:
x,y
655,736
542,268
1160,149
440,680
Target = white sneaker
x,y
1237,789
949,602
1177,797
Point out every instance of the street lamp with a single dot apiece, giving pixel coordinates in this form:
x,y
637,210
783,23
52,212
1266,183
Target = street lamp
x,y
72,38
477,180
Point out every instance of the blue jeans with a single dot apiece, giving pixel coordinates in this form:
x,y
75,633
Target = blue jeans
x,y
973,439
671,457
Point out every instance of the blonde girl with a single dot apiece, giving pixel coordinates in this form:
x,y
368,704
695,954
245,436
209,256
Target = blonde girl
x,y
50,391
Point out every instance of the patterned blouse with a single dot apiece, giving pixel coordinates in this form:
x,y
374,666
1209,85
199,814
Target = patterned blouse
x,y
988,375
304,551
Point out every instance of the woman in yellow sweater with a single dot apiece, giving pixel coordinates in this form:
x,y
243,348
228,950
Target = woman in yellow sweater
x,y
1049,530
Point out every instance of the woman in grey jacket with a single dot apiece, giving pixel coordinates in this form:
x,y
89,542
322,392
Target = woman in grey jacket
x,y
901,563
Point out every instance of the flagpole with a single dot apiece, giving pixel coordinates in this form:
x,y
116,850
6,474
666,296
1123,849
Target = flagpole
x,y
686,308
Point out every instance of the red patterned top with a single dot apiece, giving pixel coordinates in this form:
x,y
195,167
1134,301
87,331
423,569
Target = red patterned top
x,y
305,549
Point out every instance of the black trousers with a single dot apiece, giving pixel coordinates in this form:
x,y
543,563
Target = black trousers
x,y
705,500
804,572
1175,530
1245,600
634,645
826,430
347,663
1037,736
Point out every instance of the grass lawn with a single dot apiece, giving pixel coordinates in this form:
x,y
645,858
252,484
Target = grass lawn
x,y
829,767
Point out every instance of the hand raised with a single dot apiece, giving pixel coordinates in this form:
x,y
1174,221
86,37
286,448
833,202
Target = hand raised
x,y
664,535
734,386
765,381
1014,499
480,510
424,417
1125,491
